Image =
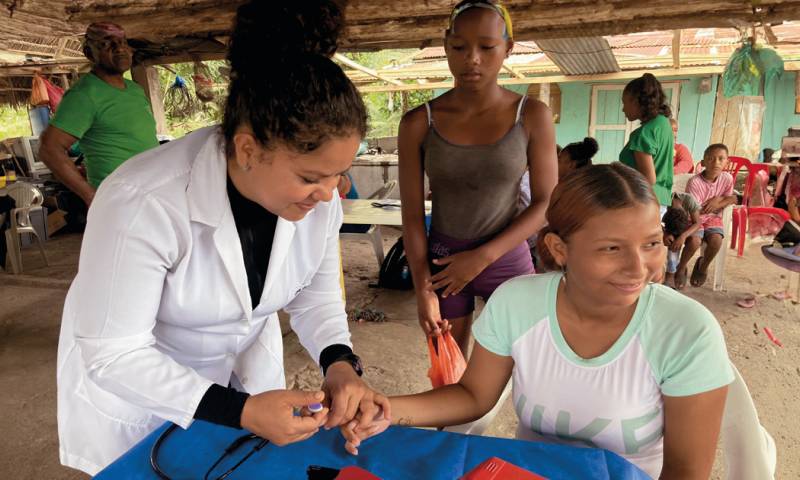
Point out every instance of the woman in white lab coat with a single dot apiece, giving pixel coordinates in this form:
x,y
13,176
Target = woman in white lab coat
x,y
192,248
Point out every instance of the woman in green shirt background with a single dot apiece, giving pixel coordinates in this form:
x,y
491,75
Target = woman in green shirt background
x,y
650,148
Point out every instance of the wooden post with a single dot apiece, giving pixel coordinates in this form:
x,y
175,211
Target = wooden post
x,y
64,81
544,93
797,97
147,77
676,49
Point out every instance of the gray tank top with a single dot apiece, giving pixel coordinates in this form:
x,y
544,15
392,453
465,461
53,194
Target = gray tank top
x,y
475,187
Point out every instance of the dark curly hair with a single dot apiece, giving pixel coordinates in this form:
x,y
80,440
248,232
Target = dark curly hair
x,y
303,99
581,153
676,221
650,96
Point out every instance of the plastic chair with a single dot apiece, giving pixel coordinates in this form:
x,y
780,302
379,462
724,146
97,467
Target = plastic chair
x,y
371,233
735,164
741,218
28,199
748,448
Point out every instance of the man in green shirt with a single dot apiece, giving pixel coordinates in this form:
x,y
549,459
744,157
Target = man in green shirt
x,y
109,114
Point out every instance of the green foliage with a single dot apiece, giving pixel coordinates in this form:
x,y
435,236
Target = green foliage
x,y
387,108
206,113
14,122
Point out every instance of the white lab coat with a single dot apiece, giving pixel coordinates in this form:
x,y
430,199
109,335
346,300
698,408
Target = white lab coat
x,y
160,308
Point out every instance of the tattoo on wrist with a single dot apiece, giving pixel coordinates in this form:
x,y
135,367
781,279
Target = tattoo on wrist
x,y
405,421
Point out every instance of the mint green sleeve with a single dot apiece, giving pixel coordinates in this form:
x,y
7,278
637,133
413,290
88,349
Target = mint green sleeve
x,y
645,141
490,331
75,114
687,350
513,309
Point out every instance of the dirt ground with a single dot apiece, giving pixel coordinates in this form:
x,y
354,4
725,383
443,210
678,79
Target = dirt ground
x,y
394,351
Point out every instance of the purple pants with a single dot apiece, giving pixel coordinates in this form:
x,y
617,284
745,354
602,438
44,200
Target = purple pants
x,y
514,263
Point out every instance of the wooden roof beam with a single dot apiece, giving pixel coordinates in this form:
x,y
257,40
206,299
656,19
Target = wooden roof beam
x,y
624,75
676,49
512,71
357,66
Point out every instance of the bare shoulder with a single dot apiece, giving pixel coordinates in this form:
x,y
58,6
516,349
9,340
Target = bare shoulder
x,y
414,123
537,117
536,110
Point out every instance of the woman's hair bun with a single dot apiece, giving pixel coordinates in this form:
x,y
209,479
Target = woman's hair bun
x,y
268,31
590,147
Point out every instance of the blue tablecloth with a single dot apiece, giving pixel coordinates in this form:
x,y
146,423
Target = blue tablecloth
x,y
398,453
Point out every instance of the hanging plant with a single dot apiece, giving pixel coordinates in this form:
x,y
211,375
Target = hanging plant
x,y
179,101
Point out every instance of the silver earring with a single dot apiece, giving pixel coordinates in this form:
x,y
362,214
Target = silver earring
x,y
564,273
247,167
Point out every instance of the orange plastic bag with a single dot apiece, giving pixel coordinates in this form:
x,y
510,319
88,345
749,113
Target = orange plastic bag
x,y
38,91
447,362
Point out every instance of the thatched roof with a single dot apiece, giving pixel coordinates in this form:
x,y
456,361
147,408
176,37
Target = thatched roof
x,y
177,27
45,35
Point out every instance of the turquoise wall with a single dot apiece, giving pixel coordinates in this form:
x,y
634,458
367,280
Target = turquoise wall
x,y
695,115
573,125
779,115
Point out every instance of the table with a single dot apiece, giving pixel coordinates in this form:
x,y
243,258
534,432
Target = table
x,y
399,453
362,212
769,253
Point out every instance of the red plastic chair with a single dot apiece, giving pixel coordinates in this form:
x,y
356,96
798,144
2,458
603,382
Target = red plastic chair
x,y
739,219
737,163
741,215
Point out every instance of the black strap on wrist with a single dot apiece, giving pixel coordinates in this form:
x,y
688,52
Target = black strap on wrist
x,y
331,354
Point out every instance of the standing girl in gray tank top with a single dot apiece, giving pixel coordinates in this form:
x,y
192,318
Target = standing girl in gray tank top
x,y
474,142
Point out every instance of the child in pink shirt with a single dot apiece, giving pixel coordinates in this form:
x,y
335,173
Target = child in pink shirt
x,y
713,189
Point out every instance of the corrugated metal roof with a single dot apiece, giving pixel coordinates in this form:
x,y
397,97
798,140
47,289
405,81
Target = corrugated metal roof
x,y
699,47
580,56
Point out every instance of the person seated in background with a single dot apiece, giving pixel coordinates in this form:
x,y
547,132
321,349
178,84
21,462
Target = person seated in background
x,y
793,193
713,189
683,162
347,187
678,257
677,225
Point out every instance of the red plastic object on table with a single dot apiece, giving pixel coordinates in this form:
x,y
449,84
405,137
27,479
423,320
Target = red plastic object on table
x,y
355,473
498,469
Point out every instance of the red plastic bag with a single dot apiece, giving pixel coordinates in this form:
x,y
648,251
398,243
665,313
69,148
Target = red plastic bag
x,y
54,95
447,362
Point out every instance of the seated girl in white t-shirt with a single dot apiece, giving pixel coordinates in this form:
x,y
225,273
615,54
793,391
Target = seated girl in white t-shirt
x,y
600,356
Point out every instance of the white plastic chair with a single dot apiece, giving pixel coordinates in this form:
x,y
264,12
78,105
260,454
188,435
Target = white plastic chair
x,y
679,186
28,199
748,448
372,233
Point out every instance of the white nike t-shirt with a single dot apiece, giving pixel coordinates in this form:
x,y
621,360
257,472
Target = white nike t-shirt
x,y
672,346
